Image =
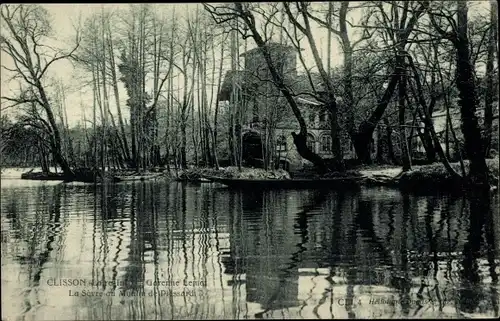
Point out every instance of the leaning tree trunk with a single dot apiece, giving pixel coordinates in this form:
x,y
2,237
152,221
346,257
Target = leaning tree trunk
x,y
426,117
300,138
362,139
331,102
55,141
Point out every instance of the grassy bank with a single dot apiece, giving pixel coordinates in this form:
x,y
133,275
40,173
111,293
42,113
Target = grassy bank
x,y
435,176
421,178
431,176
91,175
197,174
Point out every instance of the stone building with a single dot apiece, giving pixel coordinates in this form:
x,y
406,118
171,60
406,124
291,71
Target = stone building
x,y
266,118
439,117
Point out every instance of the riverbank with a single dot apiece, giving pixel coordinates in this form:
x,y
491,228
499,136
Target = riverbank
x,y
421,177
83,175
188,175
435,176
201,174
425,177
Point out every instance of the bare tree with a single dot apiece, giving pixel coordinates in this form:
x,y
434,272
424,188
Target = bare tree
x,y
397,26
328,98
490,77
23,31
466,84
242,12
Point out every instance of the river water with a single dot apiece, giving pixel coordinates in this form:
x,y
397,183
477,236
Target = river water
x,y
168,250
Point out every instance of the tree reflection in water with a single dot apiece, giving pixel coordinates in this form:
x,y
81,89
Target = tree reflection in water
x,y
265,254
472,294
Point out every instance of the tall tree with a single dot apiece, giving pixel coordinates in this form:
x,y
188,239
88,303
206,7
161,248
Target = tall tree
x,y
398,28
490,77
466,84
25,27
328,98
243,12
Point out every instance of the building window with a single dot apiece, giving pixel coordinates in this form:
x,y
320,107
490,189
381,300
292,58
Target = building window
x,y
326,143
281,143
312,117
310,142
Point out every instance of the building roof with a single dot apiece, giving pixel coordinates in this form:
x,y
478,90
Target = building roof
x,y
300,85
272,46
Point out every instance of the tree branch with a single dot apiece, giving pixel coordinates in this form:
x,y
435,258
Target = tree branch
x,y
55,58
447,35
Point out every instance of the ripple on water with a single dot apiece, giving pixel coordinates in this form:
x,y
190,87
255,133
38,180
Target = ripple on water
x,y
265,253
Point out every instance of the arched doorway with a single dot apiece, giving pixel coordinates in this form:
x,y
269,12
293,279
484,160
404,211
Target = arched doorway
x,y
311,142
252,149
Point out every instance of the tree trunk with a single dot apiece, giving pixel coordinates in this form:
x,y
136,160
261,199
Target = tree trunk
x,y
56,136
427,119
348,91
207,129
117,95
183,116
363,137
338,156
405,153
105,107
143,135
219,83
134,106
183,153
298,138
193,126
478,173
490,90
43,160
426,139
230,136
331,102
390,147
69,143
447,133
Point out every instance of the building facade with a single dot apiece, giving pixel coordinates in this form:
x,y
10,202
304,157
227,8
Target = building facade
x,y
265,115
443,130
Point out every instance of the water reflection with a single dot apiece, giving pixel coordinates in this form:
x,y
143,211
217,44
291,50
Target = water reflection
x,y
472,297
157,250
